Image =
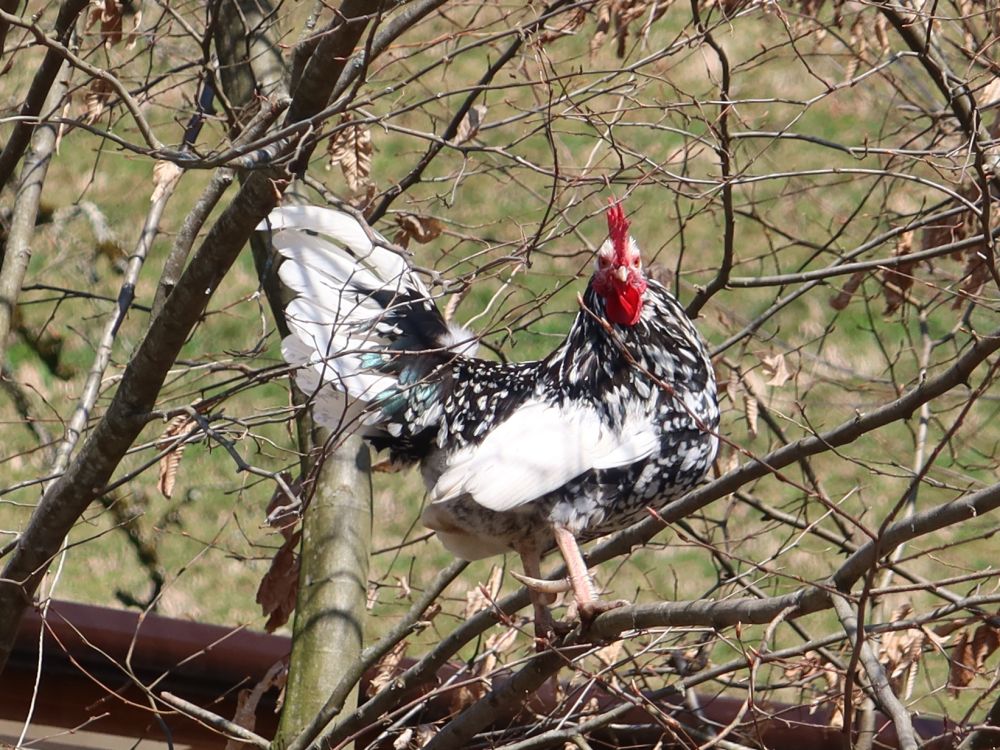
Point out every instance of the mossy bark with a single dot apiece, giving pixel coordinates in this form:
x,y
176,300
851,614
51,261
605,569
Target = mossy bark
x,y
333,578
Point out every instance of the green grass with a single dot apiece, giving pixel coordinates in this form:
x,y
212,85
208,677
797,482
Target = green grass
x,y
210,535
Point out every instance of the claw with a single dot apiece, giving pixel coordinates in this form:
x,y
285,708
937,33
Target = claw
x,y
543,586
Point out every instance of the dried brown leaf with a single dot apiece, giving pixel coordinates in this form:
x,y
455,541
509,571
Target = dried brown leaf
x,y
950,231
180,426
94,14
280,584
571,22
423,229
984,642
602,27
249,698
470,124
466,694
901,652
98,94
963,667
897,281
696,658
63,113
734,386
970,654
882,33
133,35
727,460
403,741
940,634
111,22
625,13
810,665
496,646
283,512
976,274
608,655
352,149
388,666
895,644
839,302
836,720
751,410
169,465
776,369
750,388
404,587
365,198
107,13
501,643
858,44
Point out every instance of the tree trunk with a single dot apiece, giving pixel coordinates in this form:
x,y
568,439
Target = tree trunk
x,y
333,582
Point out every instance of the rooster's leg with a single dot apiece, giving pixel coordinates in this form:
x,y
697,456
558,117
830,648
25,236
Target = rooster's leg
x,y
579,576
531,561
587,604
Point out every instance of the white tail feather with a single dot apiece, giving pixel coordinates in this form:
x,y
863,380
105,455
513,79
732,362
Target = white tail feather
x,y
332,263
345,230
324,262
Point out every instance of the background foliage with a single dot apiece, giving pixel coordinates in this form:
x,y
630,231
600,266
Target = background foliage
x,y
813,179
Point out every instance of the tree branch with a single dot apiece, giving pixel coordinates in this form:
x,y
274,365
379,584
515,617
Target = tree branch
x,y
41,84
17,253
806,599
876,674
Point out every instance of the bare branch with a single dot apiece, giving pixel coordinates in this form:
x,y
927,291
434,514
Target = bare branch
x,y
17,253
41,85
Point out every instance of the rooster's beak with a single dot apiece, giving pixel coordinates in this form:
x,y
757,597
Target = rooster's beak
x,y
621,273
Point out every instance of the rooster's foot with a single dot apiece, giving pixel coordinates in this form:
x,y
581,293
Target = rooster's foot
x,y
590,610
587,611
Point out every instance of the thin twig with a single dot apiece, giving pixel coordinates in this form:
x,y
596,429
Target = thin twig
x,y
41,84
214,720
876,673
102,357
725,166
74,60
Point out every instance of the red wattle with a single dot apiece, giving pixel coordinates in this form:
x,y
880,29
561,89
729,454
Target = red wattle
x,y
624,306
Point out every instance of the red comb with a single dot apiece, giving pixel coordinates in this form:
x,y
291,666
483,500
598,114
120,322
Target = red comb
x,y
617,227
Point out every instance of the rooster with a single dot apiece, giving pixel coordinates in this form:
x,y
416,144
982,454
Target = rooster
x,y
621,418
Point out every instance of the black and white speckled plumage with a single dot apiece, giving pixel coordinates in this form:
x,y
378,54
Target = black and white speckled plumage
x,y
626,413
589,368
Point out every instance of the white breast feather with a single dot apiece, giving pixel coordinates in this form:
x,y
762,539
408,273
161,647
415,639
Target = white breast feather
x,y
537,450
